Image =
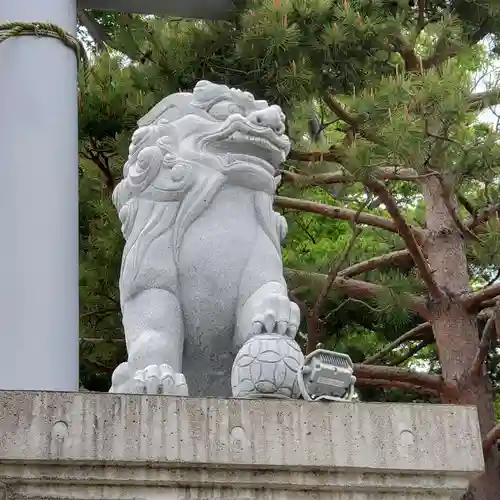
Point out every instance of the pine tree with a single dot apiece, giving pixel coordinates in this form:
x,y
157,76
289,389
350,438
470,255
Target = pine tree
x,y
388,151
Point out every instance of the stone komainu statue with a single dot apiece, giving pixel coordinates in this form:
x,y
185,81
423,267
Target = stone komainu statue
x,y
202,269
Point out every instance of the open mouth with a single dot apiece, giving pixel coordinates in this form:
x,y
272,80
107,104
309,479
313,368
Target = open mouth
x,y
261,148
241,138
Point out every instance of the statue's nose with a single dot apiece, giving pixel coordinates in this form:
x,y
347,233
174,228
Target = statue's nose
x,y
271,117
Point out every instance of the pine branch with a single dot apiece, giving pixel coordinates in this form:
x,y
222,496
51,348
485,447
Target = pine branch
x,y
351,300
418,333
101,312
353,121
494,279
451,206
332,156
344,177
491,439
304,228
96,340
496,315
421,15
484,216
440,56
355,288
481,100
106,368
337,264
102,163
443,51
406,233
334,212
473,299
397,258
395,384
332,275
362,289
339,177
99,35
340,110
484,346
411,352
95,30
466,204
304,308
412,61
485,305
358,289
394,374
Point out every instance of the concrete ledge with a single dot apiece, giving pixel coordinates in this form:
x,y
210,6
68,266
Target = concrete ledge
x,y
104,446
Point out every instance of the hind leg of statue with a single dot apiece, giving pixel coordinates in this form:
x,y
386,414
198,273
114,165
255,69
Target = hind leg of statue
x,y
154,333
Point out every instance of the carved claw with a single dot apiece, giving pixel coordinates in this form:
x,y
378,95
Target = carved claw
x,y
159,379
276,314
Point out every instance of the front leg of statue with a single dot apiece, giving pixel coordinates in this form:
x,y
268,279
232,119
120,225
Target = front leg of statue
x,y
265,307
269,359
267,310
147,200
154,332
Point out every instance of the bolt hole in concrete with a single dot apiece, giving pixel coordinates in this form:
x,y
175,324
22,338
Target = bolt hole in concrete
x,y
407,437
239,437
60,430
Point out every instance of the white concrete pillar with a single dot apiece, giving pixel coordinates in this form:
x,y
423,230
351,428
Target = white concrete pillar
x,y
38,203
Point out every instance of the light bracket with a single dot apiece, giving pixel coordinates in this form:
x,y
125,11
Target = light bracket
x,y
326,376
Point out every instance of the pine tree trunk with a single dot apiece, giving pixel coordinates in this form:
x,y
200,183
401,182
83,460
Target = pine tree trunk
x,y
315,331
455,328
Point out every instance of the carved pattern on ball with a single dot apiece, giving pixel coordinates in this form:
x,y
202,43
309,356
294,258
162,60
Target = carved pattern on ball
x,y
267,366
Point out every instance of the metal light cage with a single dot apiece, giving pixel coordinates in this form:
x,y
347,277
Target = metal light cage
x,y
326,375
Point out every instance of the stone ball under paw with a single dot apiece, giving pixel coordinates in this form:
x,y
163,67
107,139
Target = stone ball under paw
x,y
267,366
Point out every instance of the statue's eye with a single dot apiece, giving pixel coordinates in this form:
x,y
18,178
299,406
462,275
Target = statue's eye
x,y
221,110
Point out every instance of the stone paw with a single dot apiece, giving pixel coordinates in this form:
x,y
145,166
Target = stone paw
x,y
276,314
120,379
159,379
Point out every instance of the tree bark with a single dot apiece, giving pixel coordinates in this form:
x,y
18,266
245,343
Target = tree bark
x,y
335,212
315,331
455,327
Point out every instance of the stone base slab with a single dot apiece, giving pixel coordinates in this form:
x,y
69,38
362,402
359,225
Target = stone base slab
x,y
88,446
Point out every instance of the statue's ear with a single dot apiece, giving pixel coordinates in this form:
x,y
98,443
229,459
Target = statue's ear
x,y
206,92
167,110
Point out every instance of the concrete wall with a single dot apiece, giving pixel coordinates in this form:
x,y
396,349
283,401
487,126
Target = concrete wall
x,y
102,446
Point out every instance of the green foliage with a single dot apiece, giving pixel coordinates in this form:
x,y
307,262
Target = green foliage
x,y
296,53
101,342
